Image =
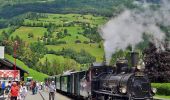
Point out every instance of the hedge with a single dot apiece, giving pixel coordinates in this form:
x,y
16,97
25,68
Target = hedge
x,y
162,88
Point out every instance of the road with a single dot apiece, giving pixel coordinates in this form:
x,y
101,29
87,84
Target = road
x,y
41,95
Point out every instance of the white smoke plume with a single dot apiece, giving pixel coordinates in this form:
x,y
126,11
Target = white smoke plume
x,y
128,28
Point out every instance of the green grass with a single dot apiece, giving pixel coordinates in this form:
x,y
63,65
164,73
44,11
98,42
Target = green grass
x,y
90,48
60,60
73,31
162,97
3,29
23,32
52,57
60,19
36,75
162,88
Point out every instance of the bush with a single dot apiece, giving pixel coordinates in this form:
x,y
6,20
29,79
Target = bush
x,y
162,88
86,42
77,41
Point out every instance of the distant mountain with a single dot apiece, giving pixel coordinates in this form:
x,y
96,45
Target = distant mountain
x,y
149,1
100,7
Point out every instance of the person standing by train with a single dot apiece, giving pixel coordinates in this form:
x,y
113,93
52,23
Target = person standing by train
x,y
52,90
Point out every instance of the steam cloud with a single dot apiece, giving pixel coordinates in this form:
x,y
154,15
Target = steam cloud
x,y
128,28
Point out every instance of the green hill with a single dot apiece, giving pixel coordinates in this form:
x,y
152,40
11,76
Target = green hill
x,y
23,33
33,73
74,24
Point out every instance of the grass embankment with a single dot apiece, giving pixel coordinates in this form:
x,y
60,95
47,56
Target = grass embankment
x,y
33,73
163,90
60,60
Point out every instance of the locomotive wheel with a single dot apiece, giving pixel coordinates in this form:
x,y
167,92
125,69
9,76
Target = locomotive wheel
x,y
89,98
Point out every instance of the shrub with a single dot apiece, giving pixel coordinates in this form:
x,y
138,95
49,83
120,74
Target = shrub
x,y
162,88
77,41
86,42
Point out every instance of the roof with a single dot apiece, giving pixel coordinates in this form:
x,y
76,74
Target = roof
x,y
11,64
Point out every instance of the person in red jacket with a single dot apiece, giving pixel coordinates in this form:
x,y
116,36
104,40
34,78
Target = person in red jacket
x,y
14,91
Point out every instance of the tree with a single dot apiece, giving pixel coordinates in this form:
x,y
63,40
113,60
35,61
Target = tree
x,y
45,34
30,35
59,35
65,31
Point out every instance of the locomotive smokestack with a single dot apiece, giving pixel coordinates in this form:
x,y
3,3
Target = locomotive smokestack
x,y
134,58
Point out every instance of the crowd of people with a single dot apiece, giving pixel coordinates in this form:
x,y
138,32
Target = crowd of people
x,y
15,90
18,90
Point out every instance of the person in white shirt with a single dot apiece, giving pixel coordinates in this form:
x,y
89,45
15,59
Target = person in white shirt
x,y
23,91
52,90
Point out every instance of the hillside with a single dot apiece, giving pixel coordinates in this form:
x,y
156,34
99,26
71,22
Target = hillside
x,y
55,41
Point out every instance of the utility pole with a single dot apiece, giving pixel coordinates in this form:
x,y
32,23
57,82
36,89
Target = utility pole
x,y
15,55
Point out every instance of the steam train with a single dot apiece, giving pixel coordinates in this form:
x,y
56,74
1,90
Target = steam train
x,y
102,82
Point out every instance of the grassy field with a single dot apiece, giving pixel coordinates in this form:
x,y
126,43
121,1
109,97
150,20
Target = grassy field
x,y
74,34
23,32
60,61
52,57
91,48
60,19
162,97
36,75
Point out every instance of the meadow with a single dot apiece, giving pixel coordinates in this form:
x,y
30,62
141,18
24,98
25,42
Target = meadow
x,y
23,32
73,30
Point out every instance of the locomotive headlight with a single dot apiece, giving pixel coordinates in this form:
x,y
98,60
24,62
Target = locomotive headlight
x,y
139,67
154,90
123,90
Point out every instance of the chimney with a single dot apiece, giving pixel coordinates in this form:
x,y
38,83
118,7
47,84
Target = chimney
x,y
134,58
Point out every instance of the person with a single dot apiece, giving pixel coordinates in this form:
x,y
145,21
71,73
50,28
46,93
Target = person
x,y
19,94
23,91
14,91
52,90
34,87
7,90
3,88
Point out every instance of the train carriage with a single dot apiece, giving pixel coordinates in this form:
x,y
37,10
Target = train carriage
x,y
57,82
64,83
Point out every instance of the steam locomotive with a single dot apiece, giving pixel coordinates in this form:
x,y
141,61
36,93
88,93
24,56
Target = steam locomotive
x,y
102,82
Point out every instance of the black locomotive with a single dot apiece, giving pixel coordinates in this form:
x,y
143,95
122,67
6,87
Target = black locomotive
x,y
102,82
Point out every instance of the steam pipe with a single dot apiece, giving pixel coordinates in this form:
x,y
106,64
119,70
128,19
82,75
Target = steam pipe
x,y
134,58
